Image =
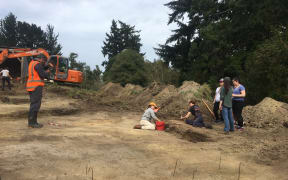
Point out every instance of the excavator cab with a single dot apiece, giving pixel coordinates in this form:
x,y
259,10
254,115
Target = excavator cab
x,y
61,71
53,61
62,68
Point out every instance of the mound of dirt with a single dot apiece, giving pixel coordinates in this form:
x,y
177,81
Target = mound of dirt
x,y
189,89
146,95
110,89
165,96
130,90
267,114
174,102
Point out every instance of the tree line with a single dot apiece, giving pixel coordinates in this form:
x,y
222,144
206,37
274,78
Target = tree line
x,y
213,39
14,33
245,39
125,62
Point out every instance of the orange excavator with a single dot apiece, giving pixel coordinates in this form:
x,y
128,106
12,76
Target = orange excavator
x,y
17,61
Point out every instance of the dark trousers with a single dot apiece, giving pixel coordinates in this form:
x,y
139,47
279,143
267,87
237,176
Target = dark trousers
x,y
4,79
197,122
237,107
215,111
35,100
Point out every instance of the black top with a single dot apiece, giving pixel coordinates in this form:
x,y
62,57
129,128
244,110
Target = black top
x,y
42,73
195,110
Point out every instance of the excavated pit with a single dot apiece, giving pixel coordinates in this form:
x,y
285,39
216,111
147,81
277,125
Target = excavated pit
x,y
16,101
30,138
46,112
188,133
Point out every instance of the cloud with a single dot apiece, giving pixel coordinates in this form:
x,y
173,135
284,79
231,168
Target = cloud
x,y
82,24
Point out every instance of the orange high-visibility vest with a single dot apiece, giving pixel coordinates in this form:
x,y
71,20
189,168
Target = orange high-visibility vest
x,y
34,79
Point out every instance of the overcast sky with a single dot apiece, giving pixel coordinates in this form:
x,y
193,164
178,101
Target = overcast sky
x,y
82,24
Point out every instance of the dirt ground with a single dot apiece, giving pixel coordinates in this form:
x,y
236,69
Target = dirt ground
x,y
100,143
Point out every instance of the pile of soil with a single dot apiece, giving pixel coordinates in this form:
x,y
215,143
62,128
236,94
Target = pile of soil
x,y
189,89
267,114
173,101
110,89
130,90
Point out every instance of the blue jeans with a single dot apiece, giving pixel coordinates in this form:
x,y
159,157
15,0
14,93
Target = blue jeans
x,y
228,119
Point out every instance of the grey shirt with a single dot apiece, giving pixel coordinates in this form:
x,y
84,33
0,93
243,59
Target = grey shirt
x,y
149,115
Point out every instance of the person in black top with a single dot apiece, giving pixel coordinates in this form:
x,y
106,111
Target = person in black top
x,y
195,111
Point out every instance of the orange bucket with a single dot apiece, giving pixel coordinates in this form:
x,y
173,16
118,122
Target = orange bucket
x,y
160,125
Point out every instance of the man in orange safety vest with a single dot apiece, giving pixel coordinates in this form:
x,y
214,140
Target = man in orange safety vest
x,y
34,86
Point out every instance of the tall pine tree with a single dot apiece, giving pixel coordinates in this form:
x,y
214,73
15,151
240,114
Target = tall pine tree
x,y
52,45
15,33
8,31
122,36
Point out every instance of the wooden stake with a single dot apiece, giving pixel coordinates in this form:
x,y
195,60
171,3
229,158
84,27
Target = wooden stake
x,y
175,167
220,160
239,171
209,109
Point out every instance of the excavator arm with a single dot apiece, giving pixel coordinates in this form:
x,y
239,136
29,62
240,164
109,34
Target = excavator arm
x,y
69,76
17,53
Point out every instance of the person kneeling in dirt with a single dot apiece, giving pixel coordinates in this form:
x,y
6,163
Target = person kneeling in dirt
x,y
194,110
148,118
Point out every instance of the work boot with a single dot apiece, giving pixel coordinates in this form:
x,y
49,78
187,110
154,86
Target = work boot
x,y
35,124
137,127
30,119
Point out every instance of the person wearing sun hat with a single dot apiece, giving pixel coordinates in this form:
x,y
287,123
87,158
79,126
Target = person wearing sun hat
x,y
148,118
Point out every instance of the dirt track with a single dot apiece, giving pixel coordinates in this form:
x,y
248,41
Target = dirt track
x,y
103,142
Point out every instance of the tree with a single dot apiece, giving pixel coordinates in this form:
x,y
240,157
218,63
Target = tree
x,y
267,69
74,64
15,33
52,45
8,31
92,78
217,38
96,73
30,36
160,72
128,67
122,36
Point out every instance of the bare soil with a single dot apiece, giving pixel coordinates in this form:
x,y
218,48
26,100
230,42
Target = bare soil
x,y
93,138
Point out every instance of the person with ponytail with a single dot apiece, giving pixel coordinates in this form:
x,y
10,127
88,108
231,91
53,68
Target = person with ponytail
x,y
226,105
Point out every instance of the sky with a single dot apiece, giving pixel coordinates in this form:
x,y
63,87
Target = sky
x,y
82,24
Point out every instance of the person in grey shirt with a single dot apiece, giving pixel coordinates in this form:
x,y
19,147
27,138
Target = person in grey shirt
x,y
148,118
